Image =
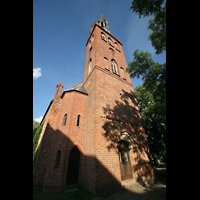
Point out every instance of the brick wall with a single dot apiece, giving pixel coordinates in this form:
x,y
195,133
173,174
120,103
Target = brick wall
x,y
109,109
111,93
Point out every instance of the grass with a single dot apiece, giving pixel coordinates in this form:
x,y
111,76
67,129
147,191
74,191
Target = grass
x,y
81,194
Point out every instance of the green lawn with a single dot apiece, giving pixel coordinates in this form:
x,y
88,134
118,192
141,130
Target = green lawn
x,y
81,194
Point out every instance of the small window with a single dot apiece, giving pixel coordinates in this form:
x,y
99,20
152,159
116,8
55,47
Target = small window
x,y
111,49
103,36
90,65
57,159
78,120
109,41
65,120
116,46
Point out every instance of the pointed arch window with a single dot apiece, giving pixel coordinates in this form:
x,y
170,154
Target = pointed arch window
x,y
65,120
114,67
90,65
58,159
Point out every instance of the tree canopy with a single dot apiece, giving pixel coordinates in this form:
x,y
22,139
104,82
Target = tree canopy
x,y
153,112
151,95
157,8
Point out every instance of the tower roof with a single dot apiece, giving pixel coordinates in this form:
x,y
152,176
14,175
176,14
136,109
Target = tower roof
x,y
103,23
102,17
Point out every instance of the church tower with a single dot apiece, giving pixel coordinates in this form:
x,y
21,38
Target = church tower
x,y
115,138
92,132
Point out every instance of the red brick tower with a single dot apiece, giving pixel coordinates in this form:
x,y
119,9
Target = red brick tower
x,y
115,138
92,132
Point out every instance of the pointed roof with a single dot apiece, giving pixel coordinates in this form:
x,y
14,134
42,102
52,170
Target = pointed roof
x,y
79,88
102,17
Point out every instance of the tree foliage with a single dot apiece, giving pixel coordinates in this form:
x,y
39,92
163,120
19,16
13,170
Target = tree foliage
x,y
151,95
157,8
35,125
153,74
35,140
153,114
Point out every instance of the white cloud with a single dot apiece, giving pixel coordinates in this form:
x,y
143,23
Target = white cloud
x,y
39,119
36,73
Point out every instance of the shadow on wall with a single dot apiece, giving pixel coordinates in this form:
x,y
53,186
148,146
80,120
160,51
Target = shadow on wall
x,y
52,173
124,116
91,172
52,170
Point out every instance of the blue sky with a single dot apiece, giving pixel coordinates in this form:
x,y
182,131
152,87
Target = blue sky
x,y
60,32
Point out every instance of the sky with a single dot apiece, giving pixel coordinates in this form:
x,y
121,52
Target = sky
x,y
60,32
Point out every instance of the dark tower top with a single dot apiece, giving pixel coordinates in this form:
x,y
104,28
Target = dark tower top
x,y
103,23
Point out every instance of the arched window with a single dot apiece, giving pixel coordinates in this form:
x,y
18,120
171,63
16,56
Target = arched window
x,y
114,67
65,120
109,41
116,46
103,36
78,120
58,159
90,65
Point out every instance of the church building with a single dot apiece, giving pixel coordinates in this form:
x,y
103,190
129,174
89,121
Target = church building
x,y
92,132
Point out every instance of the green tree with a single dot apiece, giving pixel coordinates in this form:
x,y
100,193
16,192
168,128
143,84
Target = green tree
x,y
151,95
153,74
157,8
153,115
35,125
35,141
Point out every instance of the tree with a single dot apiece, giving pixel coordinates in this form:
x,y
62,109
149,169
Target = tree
x,y
35,140
35,125
154,122
157,8
151,95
